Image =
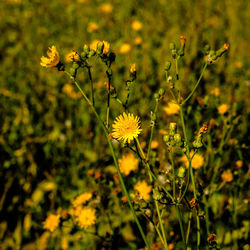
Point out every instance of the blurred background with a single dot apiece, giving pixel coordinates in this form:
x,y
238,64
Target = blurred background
x,y
50,140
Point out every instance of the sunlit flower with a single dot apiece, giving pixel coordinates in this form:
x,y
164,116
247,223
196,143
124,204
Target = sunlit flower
x,y
53,58
82,199
106,47
68,89
72,56
128,163
154,144
223,108
125,48
172,108
126,127
215,91
136,25
92,27
86,217
227,176
197,160
51,222
143,189
93,44
239,163
106,8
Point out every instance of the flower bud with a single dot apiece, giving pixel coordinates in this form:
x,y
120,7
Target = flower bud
x,y
197,143
156,96
132,69
86,48
161,92
166,138
171,46
100,47
181,172
177,138
84,54
72,72
167,66
91,53
157,195
172,128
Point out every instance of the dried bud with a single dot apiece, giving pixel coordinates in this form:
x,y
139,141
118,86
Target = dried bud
x,y
212,238
193,203
203,129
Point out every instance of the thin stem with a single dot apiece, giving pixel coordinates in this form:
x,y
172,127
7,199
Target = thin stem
x,y
152,129
189,225
92,88
196,85
181,226
144,160
115,161
172,164
108,100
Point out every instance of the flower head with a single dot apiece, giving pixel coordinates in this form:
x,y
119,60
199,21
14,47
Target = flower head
x,y
51,222
223,108
143,189
196,163
72,56
106,47
136,25
53,58
86,217
126,127
82,199
132,68
125,48
128,163
172,108
227,176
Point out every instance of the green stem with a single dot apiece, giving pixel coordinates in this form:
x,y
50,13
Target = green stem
x,y
189,225
181,226
92,88
108,100
196,85
115,160
145,162
172,163
155,201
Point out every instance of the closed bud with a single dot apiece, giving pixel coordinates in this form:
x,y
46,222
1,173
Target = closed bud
x,y
172,128
157,195
100,47
91,53
86,48
177,138
161,92
171,46
75,65
181,172
84,54
166,138
197,143
167,66
72,72
156,96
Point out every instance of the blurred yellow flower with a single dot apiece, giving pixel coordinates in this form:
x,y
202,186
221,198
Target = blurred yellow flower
x,y
239,163
138,40
128,163
106,8
126,127
51,222
86,218
227,176
53,58
223,108
125,48
132,68
68,89
136,25
64,243
215,91
154,144
172,108
143,189
197,160
92,27
93,45
82,199
72,56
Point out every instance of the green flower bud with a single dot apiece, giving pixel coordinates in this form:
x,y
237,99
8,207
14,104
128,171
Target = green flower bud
x,y
197,143
177,138
91,53
100,47
161,92
72,71
75,65
172,128
157,195
86,48
166,138
83,54
167,66
156,96
181,172
171,46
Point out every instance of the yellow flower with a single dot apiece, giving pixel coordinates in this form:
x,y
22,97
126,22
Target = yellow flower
x,y
128,163
143,189
51,222
215,92
136,25
68,89
223,108
172,108
53,58
126,127
72,57
138,40
93,44
86,218
197,160
82,199
106,8
239,163
132,68
227,176
154,144
106,47
92,27
125,48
